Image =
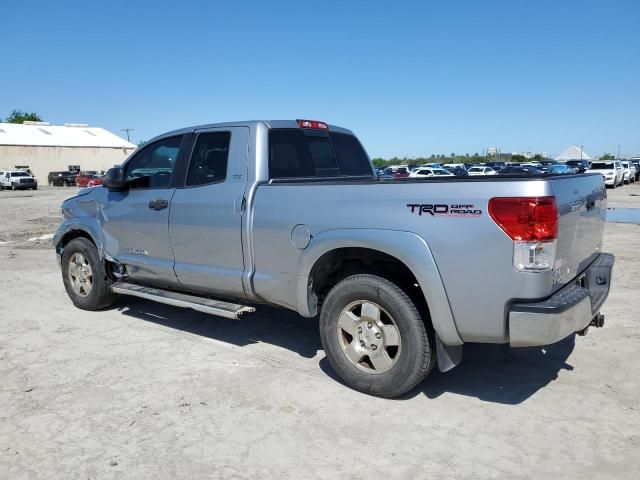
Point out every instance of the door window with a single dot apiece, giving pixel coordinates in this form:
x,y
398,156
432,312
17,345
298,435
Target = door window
x,y
209,159
153,166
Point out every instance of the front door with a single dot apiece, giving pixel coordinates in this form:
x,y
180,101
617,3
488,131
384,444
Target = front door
x,y
206,215
136,220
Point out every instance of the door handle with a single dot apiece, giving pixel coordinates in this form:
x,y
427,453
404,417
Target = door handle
x,y
159,204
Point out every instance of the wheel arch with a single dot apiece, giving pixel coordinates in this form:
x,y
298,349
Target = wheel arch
x,y
404,253
68,232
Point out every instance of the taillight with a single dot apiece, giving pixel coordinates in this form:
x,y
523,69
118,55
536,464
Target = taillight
x,y
532,224
526,218
313,124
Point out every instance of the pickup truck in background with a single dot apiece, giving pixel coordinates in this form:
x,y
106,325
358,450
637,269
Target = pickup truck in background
x,y
222,218
17,180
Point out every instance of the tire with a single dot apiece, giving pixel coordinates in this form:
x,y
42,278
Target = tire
x,y
396,369
34,188
98,294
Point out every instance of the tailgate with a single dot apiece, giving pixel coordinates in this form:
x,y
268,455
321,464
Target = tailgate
x,y
582,207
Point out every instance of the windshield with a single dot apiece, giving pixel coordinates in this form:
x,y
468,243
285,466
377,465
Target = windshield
x,y
602,166
20,174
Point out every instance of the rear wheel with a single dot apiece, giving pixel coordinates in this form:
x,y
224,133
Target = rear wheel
x,y
374,337
84,276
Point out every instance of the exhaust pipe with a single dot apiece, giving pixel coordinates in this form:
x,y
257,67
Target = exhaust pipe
x,y
597,322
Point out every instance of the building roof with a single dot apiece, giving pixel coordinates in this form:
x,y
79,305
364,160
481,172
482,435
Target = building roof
x,y
69,135
573,152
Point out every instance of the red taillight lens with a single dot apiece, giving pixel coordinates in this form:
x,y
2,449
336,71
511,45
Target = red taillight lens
x,y
526,218
313,124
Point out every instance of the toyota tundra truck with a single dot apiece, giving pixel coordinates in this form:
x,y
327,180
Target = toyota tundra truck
x,y
226,217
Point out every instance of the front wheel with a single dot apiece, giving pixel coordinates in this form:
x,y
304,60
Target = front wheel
x,y
84,276
374,337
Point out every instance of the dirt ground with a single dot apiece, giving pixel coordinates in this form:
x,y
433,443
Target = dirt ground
x,y
149,391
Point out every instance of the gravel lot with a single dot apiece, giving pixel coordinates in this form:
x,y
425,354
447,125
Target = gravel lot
x,y
151,391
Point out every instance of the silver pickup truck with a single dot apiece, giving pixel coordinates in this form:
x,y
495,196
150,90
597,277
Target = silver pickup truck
x,y
222,218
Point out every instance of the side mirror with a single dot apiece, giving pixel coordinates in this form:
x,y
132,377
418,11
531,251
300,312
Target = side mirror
x,y
114,179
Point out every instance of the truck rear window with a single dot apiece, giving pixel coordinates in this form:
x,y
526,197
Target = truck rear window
x,y
295,153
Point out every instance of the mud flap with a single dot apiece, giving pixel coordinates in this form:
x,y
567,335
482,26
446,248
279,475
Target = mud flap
x,y
449,356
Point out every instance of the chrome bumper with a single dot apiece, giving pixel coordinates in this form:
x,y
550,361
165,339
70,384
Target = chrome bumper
x,y
571,309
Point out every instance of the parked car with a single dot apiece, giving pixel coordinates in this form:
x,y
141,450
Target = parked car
x,y
17,180
495,164
430,172
480,170
220,217
546,164
94,182
397,172
561,169
612,173
519,170
629,171
61,179
457,169
83,178
581,166
636,164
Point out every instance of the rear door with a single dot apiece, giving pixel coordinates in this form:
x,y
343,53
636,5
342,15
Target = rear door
x,y
206,213
135,221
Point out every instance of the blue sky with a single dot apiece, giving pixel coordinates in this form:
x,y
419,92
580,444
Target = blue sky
x,y
410,78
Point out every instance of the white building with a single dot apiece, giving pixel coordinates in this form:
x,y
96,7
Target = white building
x,y
573,152
45,148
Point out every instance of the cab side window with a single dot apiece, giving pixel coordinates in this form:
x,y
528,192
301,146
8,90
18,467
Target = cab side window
x,y
153,166
209,159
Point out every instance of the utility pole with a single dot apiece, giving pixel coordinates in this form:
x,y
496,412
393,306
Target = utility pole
x,y
581,153
618,151
127,130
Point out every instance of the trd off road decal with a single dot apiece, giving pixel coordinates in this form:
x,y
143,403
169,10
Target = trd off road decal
x,y
444,210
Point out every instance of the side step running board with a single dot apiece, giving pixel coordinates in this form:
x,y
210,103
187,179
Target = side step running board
x,y
201,304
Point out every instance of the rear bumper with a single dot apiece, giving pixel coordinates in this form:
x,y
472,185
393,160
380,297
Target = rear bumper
x,y
571,309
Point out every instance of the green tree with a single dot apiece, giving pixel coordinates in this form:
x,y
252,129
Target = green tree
x,y
518,158
607,156
18,116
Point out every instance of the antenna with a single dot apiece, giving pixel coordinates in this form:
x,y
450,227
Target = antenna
x,y
127,130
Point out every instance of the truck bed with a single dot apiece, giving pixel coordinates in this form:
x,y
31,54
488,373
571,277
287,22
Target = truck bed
x,y
472,254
